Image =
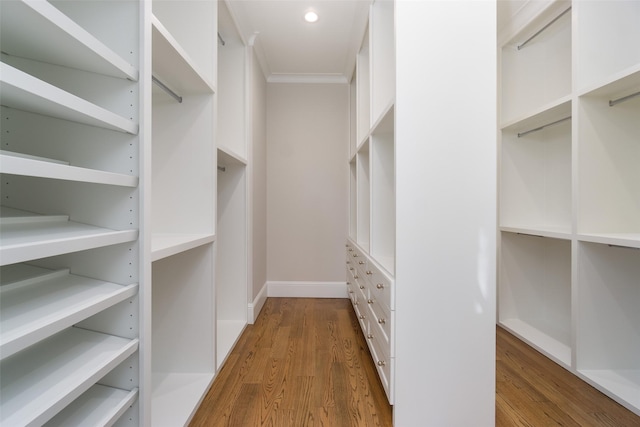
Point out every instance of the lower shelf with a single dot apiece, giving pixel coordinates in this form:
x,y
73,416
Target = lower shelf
x,y
98,406
40,381
622,385
540,340
177,396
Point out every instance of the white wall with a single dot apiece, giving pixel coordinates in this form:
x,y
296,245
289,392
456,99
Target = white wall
x,y
258,184
307,143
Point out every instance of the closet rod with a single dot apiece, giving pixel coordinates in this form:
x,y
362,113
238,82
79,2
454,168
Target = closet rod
x,y
221,39
166,89
543,126
222,168
520,46
624,98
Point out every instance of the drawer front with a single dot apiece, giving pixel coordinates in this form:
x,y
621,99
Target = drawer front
x,y
381,288
383,364
380,321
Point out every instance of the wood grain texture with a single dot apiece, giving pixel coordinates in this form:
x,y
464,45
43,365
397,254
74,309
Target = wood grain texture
x,y
305,363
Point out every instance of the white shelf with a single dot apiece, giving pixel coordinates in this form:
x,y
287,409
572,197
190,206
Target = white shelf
x,y
25,92
173,65
164,245
556,110
540,231
38,30
29,236
177,396
227,156
631,240
547,344
619,84
98,406
41,381
18,164
621,385
37,303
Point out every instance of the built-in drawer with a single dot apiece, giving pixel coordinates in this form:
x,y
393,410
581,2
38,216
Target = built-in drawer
x,y
380,320
383,363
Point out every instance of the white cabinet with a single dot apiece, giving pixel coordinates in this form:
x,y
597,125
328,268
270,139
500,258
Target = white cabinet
x,y
70,341
569,185
422,211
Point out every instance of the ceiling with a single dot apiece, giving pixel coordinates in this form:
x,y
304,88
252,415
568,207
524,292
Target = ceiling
x,y
292,50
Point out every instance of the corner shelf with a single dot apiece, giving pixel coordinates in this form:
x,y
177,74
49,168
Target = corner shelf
x,y
25,92
40,381
27,236
38,30
37,303
20,164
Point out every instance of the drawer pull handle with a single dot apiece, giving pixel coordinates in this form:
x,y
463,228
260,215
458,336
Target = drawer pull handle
x,y
382,321
355,255
370,301
348,283
355,303
362,317
370,336
368,273
356,276
380,286
350,249
350,268
361,262
348,262
361,286
350,291
381,363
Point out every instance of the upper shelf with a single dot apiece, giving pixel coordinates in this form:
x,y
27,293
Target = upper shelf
x,y
37,30
25,92
228,157
164,245
26,236
173,66
19,164
37,303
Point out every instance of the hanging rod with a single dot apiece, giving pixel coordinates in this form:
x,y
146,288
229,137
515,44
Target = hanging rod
x,y
166,89
221,39
520,46
543,126
624,98
222,168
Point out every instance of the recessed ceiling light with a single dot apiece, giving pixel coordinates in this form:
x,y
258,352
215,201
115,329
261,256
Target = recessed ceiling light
x,y
311,17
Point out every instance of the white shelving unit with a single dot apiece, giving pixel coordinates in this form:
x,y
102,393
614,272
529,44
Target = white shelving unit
x,y
371,240
70,212
183,208
569,282
232,192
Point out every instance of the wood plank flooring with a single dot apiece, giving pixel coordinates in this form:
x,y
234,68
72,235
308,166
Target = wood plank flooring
x,y
305,363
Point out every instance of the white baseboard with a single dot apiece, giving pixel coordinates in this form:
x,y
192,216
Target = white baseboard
x,y
257,304
307,289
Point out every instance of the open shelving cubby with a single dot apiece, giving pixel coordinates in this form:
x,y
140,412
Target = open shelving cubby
x,y
363,91
535,298
383,217
383,65
70,212
363,196
183,208
608,339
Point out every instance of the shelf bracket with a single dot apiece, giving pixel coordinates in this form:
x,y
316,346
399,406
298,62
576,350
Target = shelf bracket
x,y
543,126
520,46
624,98
166,89
222,168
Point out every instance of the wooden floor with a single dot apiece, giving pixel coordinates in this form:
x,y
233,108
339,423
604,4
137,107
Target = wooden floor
x,y
305,363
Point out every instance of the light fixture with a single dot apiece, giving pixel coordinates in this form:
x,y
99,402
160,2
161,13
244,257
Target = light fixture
x,y
311,17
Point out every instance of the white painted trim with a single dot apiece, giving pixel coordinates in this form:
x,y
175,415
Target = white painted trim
x,y
256,306
308,78
307,289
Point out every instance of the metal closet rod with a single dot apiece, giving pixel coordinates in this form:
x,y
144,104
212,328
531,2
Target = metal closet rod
x,y
520,46
221,39
222,168
624,98
543,126
166,89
